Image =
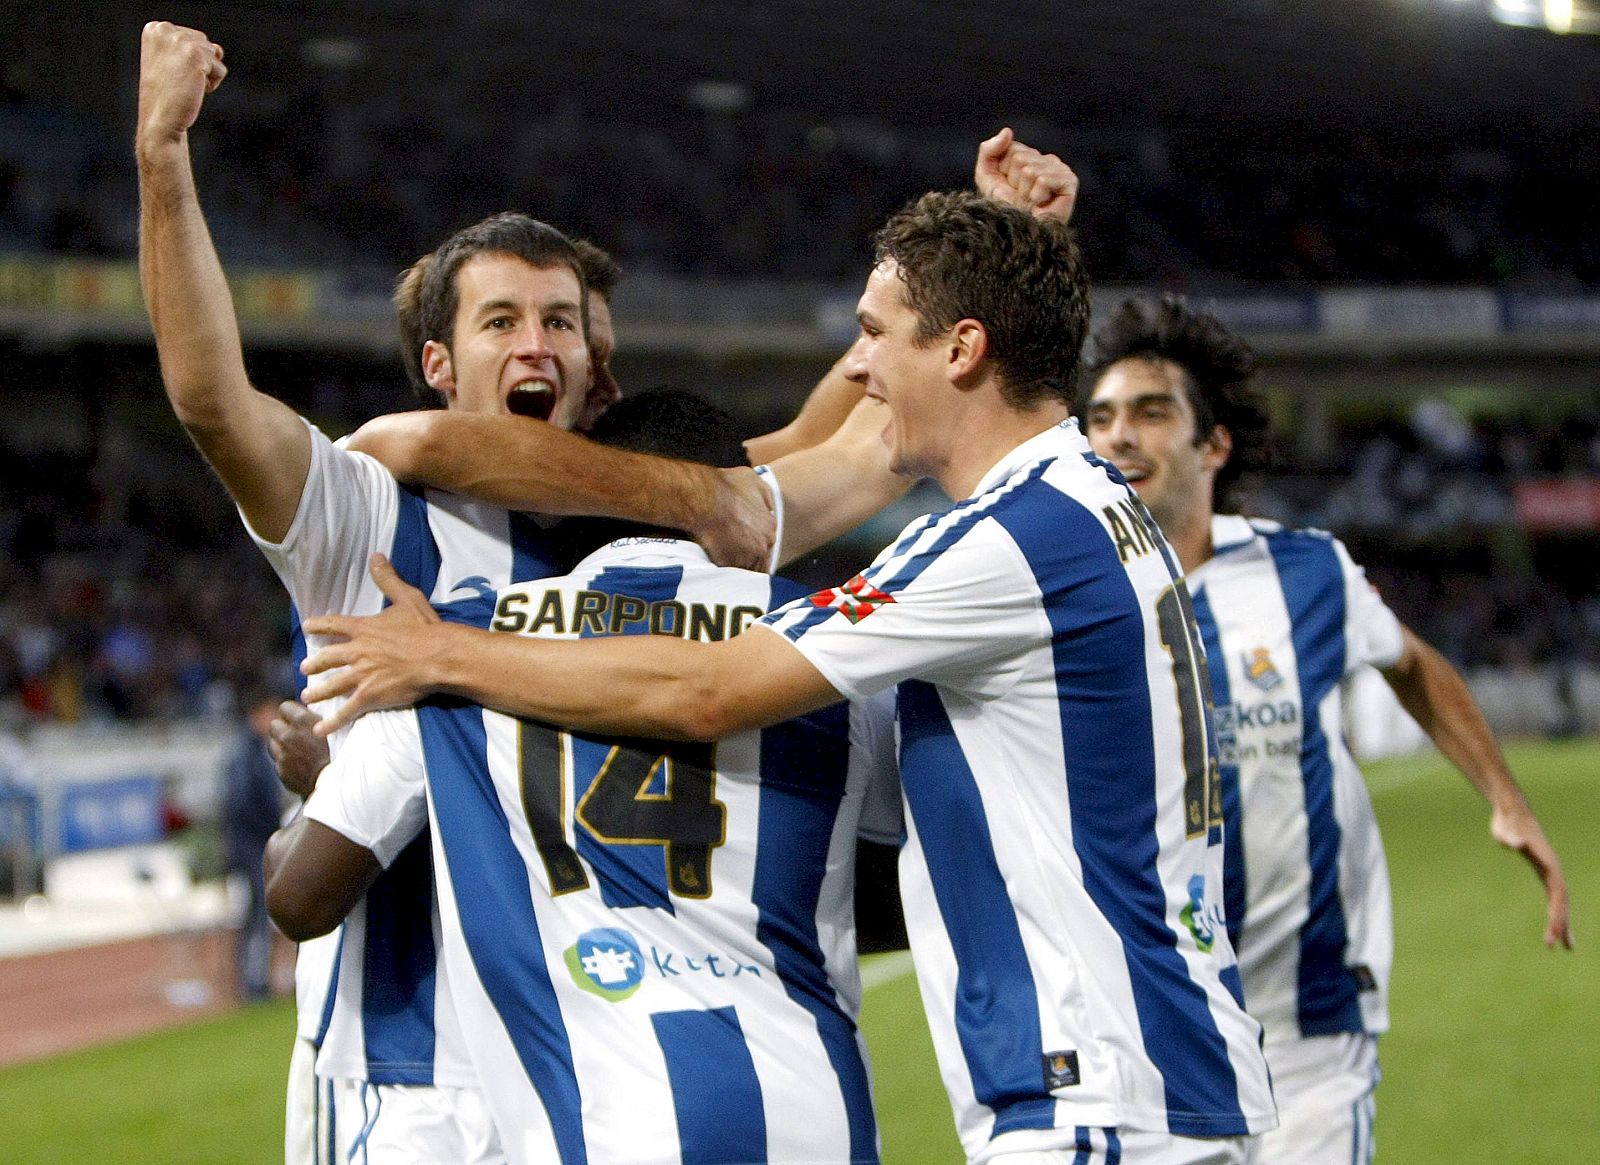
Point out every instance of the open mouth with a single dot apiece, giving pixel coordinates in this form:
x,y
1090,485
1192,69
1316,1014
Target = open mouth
x,y
532,399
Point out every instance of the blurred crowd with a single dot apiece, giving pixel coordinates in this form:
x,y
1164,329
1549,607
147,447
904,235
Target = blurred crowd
x,y
129,592
747,192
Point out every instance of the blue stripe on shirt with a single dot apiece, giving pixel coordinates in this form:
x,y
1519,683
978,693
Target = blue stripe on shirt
x,y
996,1010
494,899
715,1091
1313,590
804,765
1102,679
398,964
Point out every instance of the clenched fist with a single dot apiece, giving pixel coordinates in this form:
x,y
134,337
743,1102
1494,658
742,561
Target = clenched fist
x,y
177,68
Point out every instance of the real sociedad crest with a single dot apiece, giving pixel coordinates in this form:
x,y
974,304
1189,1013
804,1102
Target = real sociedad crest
x,y
1259,669
855,600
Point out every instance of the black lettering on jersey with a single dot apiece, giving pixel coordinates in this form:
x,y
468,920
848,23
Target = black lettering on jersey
x,y
1143,524
708,623
508,612
628,611
1120,535
742,617
668,617
550,618
590,615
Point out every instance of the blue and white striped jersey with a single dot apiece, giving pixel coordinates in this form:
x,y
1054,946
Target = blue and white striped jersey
x,y
369,995
657,938
1062,869
1286,616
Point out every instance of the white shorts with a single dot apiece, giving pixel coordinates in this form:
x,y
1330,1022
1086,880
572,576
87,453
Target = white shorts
x,y
1111,1147
1324,1086
403,1124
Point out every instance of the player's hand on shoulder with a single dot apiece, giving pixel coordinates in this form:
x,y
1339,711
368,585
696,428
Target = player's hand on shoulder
x,y
298,752
177,67
381,661
1016,174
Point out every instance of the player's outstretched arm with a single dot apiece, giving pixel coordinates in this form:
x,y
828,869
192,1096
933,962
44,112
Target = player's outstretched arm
x,y
1439,700
636,685
524,464
1019,175
257,445
819,418
315,876
830,489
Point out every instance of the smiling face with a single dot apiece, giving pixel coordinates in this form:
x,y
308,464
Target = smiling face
x,y
517,343
910,378
1140,419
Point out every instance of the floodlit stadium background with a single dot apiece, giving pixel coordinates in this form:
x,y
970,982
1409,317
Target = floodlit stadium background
x,y
1394,200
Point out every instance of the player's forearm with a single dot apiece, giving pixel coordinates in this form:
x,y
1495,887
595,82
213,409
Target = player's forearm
x,y
528,465
257,445
832,488
314,877
819,418
632,685
1437,697
186,293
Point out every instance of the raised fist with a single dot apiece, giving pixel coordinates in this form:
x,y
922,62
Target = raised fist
x,y
177,68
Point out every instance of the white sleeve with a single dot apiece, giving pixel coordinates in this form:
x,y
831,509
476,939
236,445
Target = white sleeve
x,y
875,768
374,792
348,510
775,492
1372,632
956,620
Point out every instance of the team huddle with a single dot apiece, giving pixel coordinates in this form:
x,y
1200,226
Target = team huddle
x,y
577,883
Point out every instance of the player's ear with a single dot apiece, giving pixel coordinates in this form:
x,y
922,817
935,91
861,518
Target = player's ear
x,y
1218,447
967,346
437,370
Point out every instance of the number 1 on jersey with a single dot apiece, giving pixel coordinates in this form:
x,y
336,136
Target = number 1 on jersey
x,y
1202,799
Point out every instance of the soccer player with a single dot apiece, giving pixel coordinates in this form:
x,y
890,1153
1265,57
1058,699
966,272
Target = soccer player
x,y
1170,400
503,314
1061,868
692,903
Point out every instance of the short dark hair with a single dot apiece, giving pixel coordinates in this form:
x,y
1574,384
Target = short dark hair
x,y
963,256
599,270
427,310
662,423
407,300
1219,377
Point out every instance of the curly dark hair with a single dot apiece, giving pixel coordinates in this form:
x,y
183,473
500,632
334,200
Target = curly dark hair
x,y
1219,376
962,256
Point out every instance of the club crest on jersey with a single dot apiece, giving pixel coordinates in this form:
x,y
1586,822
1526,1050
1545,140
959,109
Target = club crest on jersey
x,y
1202,921
855,600
606,962
1259,669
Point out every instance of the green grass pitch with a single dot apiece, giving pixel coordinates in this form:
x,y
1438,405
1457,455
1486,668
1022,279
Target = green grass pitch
x,y
1494,1053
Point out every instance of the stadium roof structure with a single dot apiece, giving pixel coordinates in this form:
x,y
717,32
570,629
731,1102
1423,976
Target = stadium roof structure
x,y
1437,72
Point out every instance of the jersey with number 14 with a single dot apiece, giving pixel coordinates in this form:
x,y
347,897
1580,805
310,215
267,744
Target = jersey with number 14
x,y
660,935
1062,871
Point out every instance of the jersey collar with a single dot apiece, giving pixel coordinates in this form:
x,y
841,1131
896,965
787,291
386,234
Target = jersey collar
x,y
645,552
1056,441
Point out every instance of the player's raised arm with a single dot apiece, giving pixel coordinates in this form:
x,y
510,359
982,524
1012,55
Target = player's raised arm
x,y
830,489
1436,696
524,464
257,445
